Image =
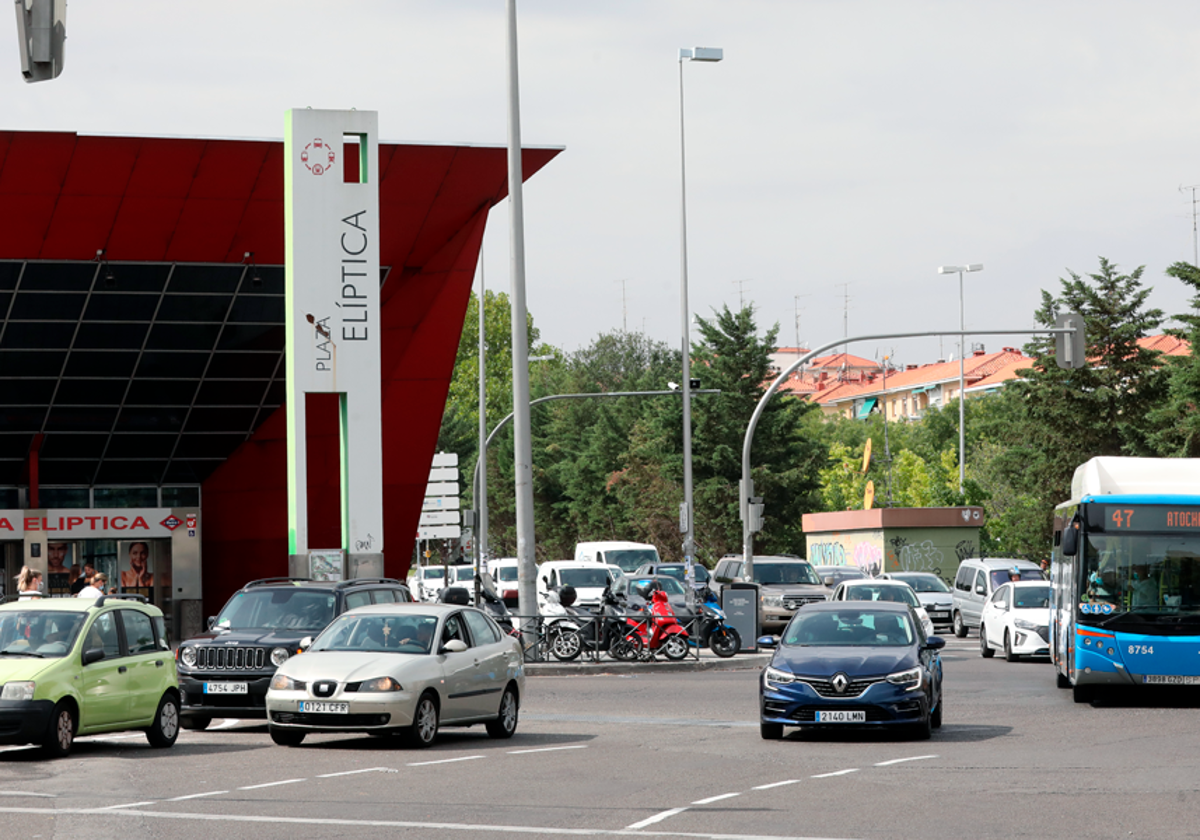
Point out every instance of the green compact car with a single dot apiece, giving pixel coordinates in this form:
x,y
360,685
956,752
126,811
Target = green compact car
x,y
80,666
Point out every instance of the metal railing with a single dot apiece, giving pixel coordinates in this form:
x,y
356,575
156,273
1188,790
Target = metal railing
x,y
546,638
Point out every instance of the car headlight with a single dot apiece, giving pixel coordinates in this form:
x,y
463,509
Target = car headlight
x,y
17,691
279,656
1025,624
772,600
187,656
282,682
380,684
909,680
775,676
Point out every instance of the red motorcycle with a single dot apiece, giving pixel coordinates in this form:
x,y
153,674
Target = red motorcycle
x,y
657,631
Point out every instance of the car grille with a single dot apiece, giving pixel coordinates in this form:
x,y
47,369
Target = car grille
x,y
230,658
225,701
795,602
309,719
825,687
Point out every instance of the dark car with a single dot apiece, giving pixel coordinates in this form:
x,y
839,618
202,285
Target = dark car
x,y
850,664
786,584
675,570
226,671
632,591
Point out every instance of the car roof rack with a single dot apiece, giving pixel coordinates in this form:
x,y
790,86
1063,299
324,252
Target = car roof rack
x,y
342,584
122,596
274,580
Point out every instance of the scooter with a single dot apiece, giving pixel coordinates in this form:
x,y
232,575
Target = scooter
x,y
714,630
560,632
657,631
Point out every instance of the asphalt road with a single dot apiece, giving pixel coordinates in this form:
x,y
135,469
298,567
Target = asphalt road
x,y
654,754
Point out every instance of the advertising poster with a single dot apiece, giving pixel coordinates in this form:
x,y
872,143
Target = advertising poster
x,y
136,568
60,568
325,565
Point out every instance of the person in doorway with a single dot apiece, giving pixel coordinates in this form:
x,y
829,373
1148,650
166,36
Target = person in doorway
x,y
138,575
29,584
84,578
96,587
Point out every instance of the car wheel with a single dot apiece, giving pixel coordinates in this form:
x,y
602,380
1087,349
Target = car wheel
x,y
985,650
1009,656
287,737
198,724
770,731
724,642
60,733
165,729
505,723
675,647
424,729
565,645
935,717
960,629
1061,681
923,731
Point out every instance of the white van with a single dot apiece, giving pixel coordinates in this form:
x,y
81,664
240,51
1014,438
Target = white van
x,y
628,556
587,577
504,572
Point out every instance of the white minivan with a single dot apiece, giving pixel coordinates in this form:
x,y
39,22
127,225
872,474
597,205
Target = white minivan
x,y
628,556
587,577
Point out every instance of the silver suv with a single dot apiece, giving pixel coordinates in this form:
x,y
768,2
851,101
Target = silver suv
x,y
786,584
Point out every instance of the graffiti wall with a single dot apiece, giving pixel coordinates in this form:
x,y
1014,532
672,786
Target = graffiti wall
x,y
936,550
861,549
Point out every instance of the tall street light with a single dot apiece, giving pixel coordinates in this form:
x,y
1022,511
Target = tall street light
x,y
962,344
710,54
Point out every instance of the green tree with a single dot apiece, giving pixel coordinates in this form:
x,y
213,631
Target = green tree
x,y
1177,420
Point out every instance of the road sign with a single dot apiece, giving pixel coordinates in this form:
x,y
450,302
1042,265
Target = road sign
x,y
442,488
441,503
443,474
439,532
439,517
445,459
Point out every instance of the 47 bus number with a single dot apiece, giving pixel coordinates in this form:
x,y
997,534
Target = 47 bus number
x,y
1122,518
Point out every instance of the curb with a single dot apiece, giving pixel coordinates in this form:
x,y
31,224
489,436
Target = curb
x,y
738,662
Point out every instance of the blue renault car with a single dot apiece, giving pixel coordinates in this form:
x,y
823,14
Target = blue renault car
x,y
851,664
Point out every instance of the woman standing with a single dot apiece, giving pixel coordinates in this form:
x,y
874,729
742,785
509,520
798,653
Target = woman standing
x,y
29,584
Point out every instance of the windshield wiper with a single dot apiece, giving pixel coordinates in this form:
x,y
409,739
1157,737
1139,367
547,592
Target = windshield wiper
x,y
22,653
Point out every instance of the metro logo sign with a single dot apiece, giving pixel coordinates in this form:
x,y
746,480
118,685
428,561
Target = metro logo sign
x,y
89,523
171,522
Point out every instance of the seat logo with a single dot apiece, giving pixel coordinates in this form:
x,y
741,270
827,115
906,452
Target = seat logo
x,y
324,688
840,681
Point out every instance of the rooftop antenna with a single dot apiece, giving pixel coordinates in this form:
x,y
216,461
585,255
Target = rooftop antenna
x,y
845,312
741,292
1195,248
796,299
624,308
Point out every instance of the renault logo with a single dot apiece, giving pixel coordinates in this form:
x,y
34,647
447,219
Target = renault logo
x,y
840,681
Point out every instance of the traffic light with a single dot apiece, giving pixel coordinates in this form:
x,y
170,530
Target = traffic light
x,y
1070,349
41,38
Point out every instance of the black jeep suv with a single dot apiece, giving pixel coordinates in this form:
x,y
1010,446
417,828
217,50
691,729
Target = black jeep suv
x,y
226,671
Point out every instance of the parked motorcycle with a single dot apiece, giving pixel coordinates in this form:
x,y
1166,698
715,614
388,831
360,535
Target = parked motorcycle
x,y
657,630
713,628
560,628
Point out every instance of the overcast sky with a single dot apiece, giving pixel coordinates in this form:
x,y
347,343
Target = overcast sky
x,y
841,148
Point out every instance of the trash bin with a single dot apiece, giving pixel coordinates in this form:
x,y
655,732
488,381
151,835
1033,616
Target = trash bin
x,y
740,602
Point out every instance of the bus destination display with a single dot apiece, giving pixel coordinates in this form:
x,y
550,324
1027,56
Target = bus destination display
x,y
1150,518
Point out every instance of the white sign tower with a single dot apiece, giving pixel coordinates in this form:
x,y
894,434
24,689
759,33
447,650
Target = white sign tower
x,y
331,207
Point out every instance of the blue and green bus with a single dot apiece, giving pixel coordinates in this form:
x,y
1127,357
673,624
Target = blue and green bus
x,y
1125,574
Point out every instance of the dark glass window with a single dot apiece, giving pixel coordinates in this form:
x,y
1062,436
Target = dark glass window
x,y
63,497
15,445
24,334
11,471
64,277
208,446
136,277
221,419
247,337
190,471
10,497
125,497
132,472
110,336
89,419
243,366
113,306
9,272
119,365
205,278
140,446
22,419
258,308
162,392
151,419
91,392
31,363
276,393
27,391
231,393
193,308
173,365
73,446
175,497
270,280
45,306
183,336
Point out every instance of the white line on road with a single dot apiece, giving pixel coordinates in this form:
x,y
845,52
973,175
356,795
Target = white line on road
x,y
225,724
197,795
902,760
654,819
353,772
127,805
835,773
717,798
548,749
444,761
25,793
775,784
272,784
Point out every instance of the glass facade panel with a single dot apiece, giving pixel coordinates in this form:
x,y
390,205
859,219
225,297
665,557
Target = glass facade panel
x,y
194,308
10,498
177,497
31,362
27,392
110,336
205,278
91,392
119,365
46,306
9,272
266,309
73,446
125,497
63,497
24,334
59,277
183,336
137,277
113,306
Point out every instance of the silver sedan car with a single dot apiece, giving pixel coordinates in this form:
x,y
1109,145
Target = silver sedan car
x,y
404,669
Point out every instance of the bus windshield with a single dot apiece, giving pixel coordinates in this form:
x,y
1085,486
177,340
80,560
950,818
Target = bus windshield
x,y
1142,573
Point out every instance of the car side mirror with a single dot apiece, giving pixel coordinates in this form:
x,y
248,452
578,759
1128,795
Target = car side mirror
x,y
453,646
979,590
1070,538
305,643
828,581
92,655
212,622
768,641
935,643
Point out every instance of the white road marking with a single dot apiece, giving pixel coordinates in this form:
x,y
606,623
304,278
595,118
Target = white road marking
x,y
548,749
197,795
128,805
225,724
654,819
444,761
550,831
272,784
717,798
835,773
26,793
354,772
775,784
902,760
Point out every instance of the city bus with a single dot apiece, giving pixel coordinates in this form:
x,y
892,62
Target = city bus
x,y
1125,576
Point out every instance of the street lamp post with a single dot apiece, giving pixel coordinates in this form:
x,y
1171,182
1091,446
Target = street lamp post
x,y
962,345
711,54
